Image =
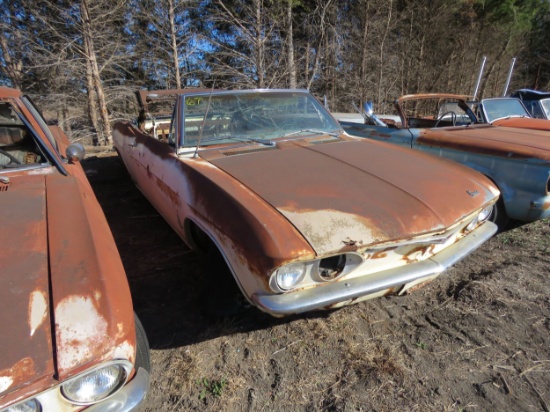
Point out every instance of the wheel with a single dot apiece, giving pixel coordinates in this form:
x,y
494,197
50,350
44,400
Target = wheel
x,y
440,118
498,215
143,356
221,296
12,161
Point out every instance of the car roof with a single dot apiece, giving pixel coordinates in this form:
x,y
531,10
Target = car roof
x,y
530,94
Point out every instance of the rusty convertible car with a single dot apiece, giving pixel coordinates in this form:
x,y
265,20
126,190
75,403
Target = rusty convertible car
x,y
70,338
304,216
502,111
517,160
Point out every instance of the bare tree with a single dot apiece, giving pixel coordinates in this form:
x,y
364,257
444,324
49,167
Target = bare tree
x,y
166,42
13,24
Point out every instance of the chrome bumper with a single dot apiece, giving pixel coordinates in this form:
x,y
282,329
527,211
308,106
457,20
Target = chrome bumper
x,y
128,398
324,296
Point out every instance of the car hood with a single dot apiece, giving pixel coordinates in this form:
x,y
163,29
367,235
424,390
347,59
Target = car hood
x,y
24,284
524,122
359,192
509,142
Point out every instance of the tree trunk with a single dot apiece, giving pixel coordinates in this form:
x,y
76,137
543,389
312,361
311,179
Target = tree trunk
x,y
364,56
96,79
92,100
290,47
172,18
13,67
379,100
259,44
492,67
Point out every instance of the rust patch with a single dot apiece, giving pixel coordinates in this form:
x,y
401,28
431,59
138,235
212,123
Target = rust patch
x,y
412,256
492,141
379,255
418,286
22,371
167,190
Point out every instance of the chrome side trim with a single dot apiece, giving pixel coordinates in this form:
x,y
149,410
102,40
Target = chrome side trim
x,y
325,295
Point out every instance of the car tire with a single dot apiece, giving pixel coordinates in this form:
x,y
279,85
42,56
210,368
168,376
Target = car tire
x,y
498,215
221,297
143,357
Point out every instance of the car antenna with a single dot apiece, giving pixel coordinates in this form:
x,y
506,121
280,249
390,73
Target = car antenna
x,y
204,118
510,71
479,77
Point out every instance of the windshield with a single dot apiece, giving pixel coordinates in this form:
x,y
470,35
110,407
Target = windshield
x,y
18,148
252,115
437,111
546,107
499,108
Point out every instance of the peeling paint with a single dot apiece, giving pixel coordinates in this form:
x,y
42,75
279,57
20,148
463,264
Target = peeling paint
x,y
38,307
125,351
325,229
5,383
20,372
80,328
42,171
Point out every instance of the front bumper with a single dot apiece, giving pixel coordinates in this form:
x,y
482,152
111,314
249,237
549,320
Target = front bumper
x,y
128,398
331,294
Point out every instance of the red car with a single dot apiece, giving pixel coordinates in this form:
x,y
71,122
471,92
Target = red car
x,y
71,340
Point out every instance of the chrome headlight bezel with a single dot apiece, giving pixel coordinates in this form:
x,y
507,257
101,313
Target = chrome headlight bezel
x,y
287,277
28,405
481,217
314,272
124,369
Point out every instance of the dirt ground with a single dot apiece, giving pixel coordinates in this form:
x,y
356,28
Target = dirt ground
x,y
475,339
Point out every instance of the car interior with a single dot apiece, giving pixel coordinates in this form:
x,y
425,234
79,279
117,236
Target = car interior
x,y
17,144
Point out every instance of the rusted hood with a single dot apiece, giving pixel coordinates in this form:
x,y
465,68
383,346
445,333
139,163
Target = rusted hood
x,y
24,284
524,122
358,192
499,141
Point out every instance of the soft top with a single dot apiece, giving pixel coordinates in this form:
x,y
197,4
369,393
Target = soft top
x,y
529,94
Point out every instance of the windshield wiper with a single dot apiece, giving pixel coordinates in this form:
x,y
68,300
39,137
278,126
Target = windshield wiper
x,y
265,142
331,133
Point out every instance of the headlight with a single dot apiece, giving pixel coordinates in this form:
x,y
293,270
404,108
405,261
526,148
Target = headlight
x,y
485,213
95,385
288,277
31,405
481,217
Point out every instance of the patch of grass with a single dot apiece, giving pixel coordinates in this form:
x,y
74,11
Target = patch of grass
x,y
213,388
421,345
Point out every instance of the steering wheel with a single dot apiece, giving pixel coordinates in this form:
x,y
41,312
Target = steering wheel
x,y
13,160
451,113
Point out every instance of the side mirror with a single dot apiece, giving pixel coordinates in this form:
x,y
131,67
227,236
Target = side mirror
x,y
367,107
75,152
370,117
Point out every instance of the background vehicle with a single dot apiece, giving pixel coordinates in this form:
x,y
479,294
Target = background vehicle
x,y
537,102
71,340
516,160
